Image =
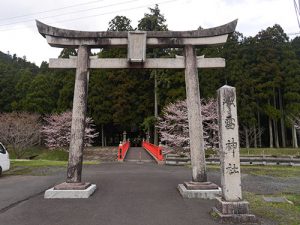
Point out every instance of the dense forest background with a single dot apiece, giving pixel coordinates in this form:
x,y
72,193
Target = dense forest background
x,y
265,69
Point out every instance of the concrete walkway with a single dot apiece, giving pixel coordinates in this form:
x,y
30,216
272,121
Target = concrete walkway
x,y
127,194
136,154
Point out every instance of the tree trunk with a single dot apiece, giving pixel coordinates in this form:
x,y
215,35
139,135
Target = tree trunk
x,y
276,133
259,129
293,136
255,136
102,135
271,133
282,125
246,137
295,139
78,117
155,109
275,124
194,115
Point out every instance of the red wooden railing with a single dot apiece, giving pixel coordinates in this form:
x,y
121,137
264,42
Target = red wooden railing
x,y
122,150
155,151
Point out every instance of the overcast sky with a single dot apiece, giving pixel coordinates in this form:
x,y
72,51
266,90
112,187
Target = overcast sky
x,y
18,33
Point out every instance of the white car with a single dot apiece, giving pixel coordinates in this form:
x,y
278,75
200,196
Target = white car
x,y
4,159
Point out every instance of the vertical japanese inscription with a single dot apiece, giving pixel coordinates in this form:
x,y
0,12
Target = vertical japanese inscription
x,y
229,144
229,101
232,169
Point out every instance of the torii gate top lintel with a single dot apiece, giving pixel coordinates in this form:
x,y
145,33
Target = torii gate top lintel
x,y
45,29
58,37
136,42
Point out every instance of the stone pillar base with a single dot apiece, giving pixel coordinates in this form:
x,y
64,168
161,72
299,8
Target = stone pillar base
x,y
71,190
233,212
203,190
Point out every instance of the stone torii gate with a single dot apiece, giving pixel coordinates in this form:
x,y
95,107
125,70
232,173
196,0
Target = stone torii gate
x,y
136,42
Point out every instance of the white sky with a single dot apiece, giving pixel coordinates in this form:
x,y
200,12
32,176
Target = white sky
x,y
19,34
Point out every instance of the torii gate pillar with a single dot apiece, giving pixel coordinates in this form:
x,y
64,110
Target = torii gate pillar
x,y
194,115
78,116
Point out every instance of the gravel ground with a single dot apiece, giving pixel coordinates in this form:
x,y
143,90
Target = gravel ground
x,y
270,185
262,184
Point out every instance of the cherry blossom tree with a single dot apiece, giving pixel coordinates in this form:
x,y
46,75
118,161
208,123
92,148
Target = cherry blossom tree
x,y
57,130
174,128
19,130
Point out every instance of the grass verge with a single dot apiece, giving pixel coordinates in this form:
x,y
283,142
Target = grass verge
x,y
36,163
281,213
273,171
43,153
39,167
270,151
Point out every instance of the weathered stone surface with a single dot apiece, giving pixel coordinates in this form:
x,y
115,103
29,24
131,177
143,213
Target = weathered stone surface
x,y
238,207
235,218
78,117
62,42
200,185
72,186
137,46
194,115
86,193
231,207
124,136
203,194
45,29
118,63
57,37
229,144
234,212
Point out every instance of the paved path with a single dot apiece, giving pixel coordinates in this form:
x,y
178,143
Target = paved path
x,y
136,154
127,194
15,189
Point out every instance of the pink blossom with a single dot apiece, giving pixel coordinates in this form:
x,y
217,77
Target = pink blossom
x,y
174,129
57,130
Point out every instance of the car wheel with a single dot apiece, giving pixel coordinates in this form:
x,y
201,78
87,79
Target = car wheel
x,y
0,171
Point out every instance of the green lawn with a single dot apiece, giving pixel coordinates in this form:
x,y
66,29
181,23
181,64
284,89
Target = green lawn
x,y
40,161
43,153
273,171
39,167
270,151
275,152
281,213
36,163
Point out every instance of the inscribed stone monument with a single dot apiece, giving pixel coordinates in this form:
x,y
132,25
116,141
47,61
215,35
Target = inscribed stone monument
x,y
231,207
